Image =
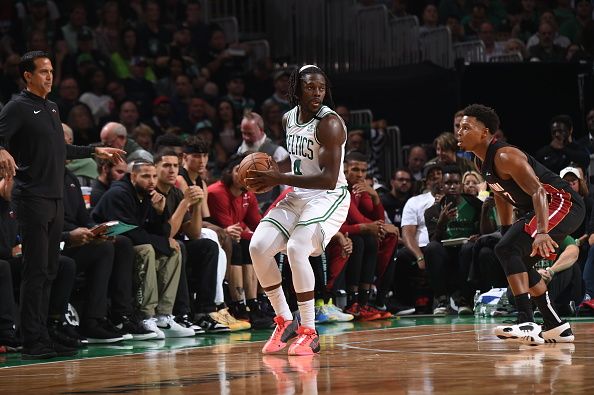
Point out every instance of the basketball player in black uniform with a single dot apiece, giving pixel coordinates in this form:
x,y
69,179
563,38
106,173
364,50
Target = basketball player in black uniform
x,y
553,209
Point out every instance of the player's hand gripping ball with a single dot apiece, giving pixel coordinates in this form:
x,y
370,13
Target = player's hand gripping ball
x,y
256,161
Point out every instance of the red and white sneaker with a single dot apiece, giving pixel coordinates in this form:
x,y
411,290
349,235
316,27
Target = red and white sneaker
x,y
283,332
307,343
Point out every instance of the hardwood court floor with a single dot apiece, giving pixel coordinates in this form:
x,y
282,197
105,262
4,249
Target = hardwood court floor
x,y
401,356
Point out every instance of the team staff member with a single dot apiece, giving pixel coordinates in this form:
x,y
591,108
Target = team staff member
x,y
31,130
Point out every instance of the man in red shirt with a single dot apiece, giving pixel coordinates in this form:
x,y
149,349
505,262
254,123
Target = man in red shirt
x,y
236,211
365,221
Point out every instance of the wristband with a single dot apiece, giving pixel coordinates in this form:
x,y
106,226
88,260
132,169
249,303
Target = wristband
x,y
551,271
421,258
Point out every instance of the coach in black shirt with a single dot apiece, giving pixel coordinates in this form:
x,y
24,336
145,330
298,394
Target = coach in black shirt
x,y
31,130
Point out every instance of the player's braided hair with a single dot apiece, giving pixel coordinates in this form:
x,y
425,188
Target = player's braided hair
x,y
295,85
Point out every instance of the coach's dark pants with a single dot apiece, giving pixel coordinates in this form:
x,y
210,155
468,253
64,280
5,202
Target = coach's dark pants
x,y
41,221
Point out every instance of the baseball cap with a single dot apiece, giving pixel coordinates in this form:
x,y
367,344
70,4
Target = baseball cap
x,y
160,100
571,170
429,167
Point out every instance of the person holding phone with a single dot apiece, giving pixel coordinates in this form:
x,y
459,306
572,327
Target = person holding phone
x,y
453,224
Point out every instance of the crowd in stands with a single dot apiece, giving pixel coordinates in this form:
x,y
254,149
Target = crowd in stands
x,y
153,79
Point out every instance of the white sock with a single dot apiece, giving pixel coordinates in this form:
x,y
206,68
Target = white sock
x,y
308,313
279,303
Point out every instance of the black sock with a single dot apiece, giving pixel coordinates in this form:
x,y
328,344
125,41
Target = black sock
x,y
351,297
549,316
253,305
363,297
239,308
524,307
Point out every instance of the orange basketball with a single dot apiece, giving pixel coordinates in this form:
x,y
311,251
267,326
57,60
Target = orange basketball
x,y
255,161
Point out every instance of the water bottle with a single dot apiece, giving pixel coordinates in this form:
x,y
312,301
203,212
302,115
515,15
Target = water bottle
x,y
477,298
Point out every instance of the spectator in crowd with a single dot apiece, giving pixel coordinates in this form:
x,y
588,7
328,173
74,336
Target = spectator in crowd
x,y
429,18
129,48
10,81
143,135
68,93
108,173
562,276
272,115
227,124
134,201
115,135
80,119
78,62
198,29
96,98
165,86
472,183
236,211
515,45
575,178
401,190
77,21
259,81
562,151
128,115
446,148
366,215
199,255
181,99
162,118
100,259
546,50
111,23
551,32
573,27
84,169
455,216
525,22
140,90
487,35
236,94
588,140
152,36
417,157
281,87
221,57
415,236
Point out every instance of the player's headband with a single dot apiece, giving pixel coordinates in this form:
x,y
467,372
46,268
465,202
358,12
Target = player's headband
x,y
308,66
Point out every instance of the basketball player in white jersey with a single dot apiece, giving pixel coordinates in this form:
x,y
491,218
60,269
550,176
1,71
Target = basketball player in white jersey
x,y
303,222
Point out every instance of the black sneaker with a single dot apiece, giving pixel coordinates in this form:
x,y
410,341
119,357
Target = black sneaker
x,y
266,307
99,332
9,340
397,308
64,351
128,325
38,351
209,325
72,331
259,320
60,334
184,320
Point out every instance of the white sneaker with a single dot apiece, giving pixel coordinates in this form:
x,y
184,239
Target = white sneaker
x,y
336,314
559,334
526,333
170,328
150,324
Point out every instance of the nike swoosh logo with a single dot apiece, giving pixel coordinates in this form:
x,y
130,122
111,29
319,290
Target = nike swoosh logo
x,y
36,112
165,327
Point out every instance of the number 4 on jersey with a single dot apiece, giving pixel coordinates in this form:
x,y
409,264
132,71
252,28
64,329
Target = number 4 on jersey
x,y
297,167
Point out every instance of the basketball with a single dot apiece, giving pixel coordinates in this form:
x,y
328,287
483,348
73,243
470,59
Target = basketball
x,y
255,161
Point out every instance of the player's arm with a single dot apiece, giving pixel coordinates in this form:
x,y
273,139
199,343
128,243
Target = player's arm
x,y
331,135
512,163
505,211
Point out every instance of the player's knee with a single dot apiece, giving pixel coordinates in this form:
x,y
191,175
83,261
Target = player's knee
x,y
503,251
256,247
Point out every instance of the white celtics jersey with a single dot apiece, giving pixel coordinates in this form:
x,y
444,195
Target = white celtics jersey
x,y
304,147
